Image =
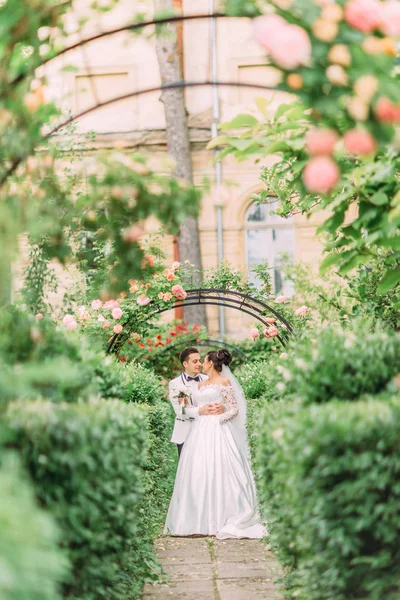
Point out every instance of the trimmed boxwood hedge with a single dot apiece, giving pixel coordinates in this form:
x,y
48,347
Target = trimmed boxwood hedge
x,y
86,462
330,475
32,565
341,363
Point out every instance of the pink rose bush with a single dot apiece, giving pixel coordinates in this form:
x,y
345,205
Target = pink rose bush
x,y
116,313
70,323
118,328
302,311
179,292
288,45
321,141
321,174
96,304
364,15
360,143
254,333
143,300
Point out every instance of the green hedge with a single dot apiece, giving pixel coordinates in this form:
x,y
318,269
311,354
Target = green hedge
x,y
330,476
260,378
86,462
159,470
342,364
31,564
142,385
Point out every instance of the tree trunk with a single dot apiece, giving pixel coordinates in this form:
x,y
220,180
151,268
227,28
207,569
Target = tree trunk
x,y
179,144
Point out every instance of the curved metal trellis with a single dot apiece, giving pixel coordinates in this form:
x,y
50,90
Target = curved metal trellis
x,y
244,303
206,343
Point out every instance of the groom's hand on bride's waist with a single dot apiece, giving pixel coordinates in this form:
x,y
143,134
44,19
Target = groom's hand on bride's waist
x,y
212,409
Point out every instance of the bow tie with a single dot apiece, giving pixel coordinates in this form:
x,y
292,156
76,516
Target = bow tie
x,y
197,378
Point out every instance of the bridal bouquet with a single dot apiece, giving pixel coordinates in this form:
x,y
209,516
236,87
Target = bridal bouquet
x,y
183,396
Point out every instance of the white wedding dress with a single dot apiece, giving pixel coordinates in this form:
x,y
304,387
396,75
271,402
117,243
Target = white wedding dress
x,y
214,491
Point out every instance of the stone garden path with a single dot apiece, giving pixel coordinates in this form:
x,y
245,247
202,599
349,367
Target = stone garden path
x,y
209,569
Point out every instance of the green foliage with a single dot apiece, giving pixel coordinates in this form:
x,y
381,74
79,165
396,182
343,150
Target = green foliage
x,y
342,364
86,464
32,565
330,477
142,385
39,280
368,182
159,470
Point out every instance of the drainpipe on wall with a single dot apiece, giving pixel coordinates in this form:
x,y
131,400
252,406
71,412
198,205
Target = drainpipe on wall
x,y
178,5
218,164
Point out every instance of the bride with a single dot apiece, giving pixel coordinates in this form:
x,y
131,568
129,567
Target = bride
x,y
214,491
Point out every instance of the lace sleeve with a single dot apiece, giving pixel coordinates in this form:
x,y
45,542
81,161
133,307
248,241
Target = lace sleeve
x,y
232,409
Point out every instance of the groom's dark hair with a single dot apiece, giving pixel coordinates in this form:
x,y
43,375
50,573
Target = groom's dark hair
x,y
186,353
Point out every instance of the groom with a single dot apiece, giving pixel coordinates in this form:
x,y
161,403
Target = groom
x,y
190,377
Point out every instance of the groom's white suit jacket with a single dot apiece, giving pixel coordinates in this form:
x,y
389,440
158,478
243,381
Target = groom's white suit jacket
x,y
182,421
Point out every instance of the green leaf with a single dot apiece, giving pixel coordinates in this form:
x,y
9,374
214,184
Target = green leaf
x,y
379,199
242,120
332,259
218,141
389,281
278,146
393,243
262,105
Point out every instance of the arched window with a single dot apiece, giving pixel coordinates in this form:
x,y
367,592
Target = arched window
x,y
269,238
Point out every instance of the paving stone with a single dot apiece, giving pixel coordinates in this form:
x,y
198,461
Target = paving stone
x,y
183,551
239,551
241,569
244,570
182,587
255,585
185,572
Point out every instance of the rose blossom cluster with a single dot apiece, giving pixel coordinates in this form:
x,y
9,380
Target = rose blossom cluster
x,y
321,174
290,48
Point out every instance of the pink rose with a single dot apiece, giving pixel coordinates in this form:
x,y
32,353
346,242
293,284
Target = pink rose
x,y
321,141
302,311
68,319
321,174
84,316
271,332
390,23
187,262
116,313
118,328
101,319
359,142
364,15
39,317
254,333
270,320
110,304
386,111
179,292
283,355
96,304
175,265
143,300
288,45
71,325
167,296
132,234
281,299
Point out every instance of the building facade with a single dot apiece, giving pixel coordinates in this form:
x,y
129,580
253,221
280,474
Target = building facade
x,y
117,65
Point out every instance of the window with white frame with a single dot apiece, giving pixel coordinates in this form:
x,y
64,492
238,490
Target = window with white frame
x,y
270,238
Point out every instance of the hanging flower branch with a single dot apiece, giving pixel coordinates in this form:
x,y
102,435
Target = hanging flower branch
x,y
337,142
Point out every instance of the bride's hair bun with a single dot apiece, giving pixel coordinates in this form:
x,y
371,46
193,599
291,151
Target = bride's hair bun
x,y
224,357
220,358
